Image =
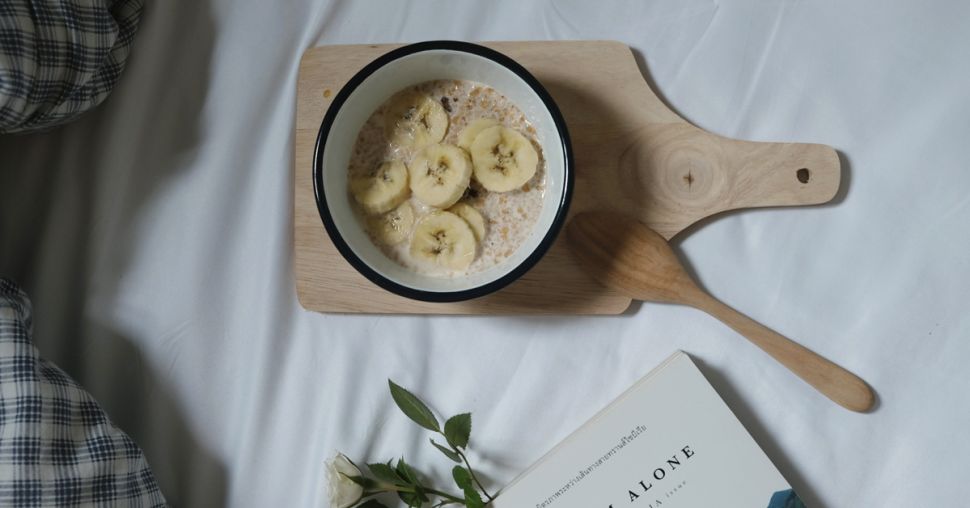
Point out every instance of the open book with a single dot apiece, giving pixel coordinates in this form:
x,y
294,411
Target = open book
x,y
668,441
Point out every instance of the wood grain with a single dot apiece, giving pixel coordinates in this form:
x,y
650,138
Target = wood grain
x,y
633,155
622,253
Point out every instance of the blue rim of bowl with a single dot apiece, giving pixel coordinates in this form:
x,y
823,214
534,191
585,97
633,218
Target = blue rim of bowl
x,y
442,296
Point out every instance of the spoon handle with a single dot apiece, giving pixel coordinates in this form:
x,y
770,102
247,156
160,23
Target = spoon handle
x,y
836,383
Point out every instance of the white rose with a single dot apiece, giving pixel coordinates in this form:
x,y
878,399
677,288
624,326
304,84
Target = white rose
x,y
344,493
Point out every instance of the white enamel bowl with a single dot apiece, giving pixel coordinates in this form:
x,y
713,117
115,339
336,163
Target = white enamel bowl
x,y
374,84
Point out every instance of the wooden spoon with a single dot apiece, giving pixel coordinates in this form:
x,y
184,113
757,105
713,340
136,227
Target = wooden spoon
x,y
628,256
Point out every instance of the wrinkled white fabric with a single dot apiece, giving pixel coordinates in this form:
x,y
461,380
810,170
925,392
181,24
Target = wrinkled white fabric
x,y
155,239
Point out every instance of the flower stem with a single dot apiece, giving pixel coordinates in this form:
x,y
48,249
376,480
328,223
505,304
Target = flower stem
x,y
449,497
472,473
444,495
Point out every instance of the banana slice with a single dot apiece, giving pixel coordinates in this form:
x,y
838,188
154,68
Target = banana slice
x,y
393,227
472,217
467,136
415,120
504,160
440,174
445,240
383,189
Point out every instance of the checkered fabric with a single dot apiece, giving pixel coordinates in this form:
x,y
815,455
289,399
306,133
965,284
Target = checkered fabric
x,y
60,58
57,447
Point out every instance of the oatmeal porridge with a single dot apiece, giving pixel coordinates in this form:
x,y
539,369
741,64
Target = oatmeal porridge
x,y
448,177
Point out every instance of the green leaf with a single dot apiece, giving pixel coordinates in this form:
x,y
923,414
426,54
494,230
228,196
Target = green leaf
x,y
371,503
419,490
364,482
410,499
413,498
407,473
448,453
472,499
413,407
410,476
457,430
462,477
385,472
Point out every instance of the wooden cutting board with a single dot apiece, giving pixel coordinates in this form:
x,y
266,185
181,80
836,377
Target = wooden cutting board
x,y
633,155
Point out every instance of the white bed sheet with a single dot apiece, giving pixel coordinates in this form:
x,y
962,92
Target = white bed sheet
x,y
154,236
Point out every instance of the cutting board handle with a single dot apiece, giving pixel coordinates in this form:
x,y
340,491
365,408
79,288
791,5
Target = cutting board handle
x,y
780,174
675,174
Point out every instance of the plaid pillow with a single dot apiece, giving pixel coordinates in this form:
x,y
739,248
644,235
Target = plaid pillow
x,y
57,447
60,58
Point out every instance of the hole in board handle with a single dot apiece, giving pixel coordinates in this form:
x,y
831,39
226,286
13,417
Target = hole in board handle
x,y
803,175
